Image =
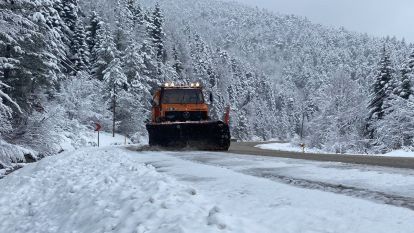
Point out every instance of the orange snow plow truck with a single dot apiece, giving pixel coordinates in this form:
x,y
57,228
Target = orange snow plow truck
x,y
180,119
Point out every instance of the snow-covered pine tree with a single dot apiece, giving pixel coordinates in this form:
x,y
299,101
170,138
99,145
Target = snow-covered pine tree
x,y
396,129
69,13
80,49
5,110
177,64
149,68
116,82
123,25
30,50
156,33
104,51
95,23
381,88
136,12
132,61
407,78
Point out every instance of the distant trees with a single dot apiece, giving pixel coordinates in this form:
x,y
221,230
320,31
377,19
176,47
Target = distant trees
x,y
395,129
339,122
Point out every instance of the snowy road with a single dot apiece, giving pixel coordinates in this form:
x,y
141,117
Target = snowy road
x,y
114,189
249,148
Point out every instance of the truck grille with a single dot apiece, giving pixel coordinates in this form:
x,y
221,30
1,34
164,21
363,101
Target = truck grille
x,y
185,116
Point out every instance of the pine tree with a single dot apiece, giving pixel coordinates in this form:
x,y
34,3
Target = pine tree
x,y
116,81
5,110
396,129
135,12
381,88
156,33
56,18
80,48
104,52
149,67
95,23
177,64
30,51
70,13
123,25
132,61
407,77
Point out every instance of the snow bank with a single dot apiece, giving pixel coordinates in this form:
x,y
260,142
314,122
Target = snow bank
x,y
280,147
88,139
293,148
106,139
10,154
399,153
104,190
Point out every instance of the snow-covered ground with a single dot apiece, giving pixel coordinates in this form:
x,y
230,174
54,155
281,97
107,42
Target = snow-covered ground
x,y
399,153
293,148
112,189
105,190
13,157
281,147
91,139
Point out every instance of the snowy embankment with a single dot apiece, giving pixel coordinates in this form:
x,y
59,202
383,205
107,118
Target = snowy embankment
x,y
13,157
294,148
104,190
91,139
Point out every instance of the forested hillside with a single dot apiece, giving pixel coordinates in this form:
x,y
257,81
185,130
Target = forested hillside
x,y
65,64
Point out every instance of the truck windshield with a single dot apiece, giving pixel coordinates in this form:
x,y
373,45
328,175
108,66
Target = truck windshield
x,y
182,96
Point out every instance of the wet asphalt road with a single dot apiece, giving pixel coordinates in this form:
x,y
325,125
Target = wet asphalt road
x,y
248,148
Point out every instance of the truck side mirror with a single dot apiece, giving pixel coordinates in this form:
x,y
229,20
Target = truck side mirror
x,y
211,97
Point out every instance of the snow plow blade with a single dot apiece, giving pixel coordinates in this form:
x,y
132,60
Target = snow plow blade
x,y
209,135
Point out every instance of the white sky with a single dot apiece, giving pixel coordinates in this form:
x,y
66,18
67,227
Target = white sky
x,y
375,17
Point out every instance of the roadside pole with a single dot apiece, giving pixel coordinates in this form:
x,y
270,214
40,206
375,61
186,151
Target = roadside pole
x,y
98,128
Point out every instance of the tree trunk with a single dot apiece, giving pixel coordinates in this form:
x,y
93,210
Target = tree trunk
x,y
113,112
301,128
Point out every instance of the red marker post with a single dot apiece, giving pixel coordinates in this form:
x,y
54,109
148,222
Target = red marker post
x,y
227,116
97,129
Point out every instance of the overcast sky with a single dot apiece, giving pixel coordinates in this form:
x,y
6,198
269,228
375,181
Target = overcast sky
x,y
376,17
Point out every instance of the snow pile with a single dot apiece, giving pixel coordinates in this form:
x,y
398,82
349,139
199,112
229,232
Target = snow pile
x,y
12,154
296,148
280,147
104,190
399,153
106,139
91,139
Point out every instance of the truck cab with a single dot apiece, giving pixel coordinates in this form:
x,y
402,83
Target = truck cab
x,y
179,104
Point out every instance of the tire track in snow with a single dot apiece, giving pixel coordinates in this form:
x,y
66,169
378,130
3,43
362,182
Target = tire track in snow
x,y
271,174
376,196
